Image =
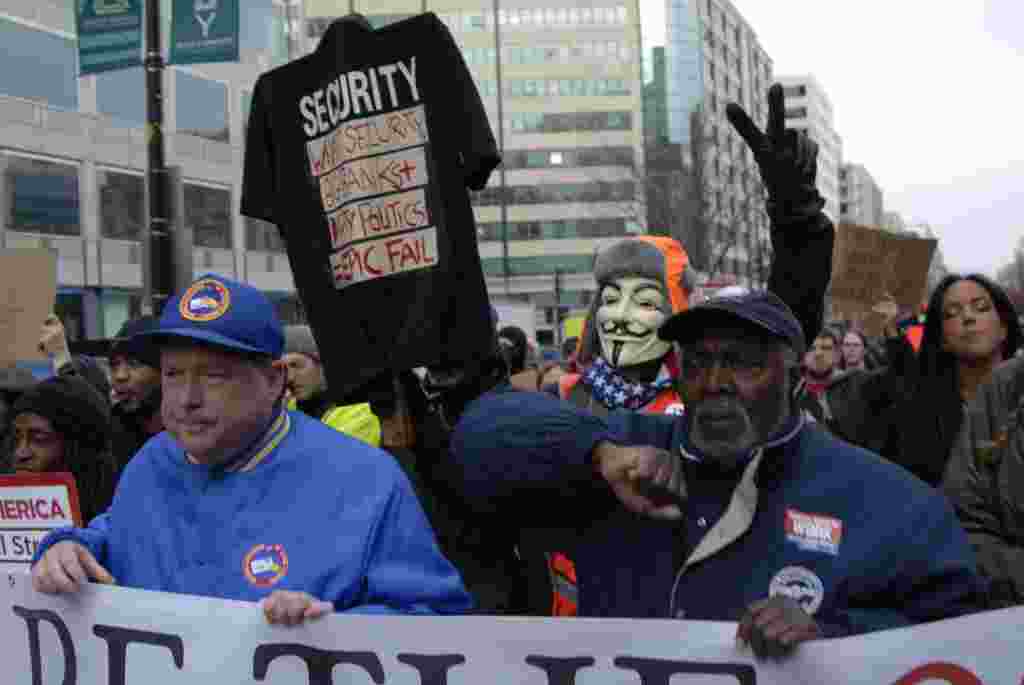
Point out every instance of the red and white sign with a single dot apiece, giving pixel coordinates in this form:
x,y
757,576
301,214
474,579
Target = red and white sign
x,y
31,505
814,531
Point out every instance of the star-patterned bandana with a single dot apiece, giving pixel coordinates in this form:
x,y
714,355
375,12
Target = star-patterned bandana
x,y
609,388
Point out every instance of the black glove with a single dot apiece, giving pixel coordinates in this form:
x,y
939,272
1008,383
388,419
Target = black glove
x,y
788,161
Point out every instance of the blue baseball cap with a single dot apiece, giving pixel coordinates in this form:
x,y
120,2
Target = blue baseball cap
x,y
761,308
225,313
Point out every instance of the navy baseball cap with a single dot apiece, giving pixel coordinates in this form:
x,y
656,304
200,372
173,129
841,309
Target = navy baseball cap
x,y
130,341
225,313
761,308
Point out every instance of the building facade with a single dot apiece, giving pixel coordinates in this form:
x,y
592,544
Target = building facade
x,y
808,109
73,161
703,184
860,198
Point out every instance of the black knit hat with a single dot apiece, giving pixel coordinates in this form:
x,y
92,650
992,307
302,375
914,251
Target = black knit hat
x,y
131,341
72,405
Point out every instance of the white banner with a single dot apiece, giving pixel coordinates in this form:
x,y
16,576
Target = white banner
x,y
114,636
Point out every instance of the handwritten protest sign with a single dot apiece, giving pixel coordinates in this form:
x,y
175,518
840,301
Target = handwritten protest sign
x,y
870,265
110,635
28,288
31,505
373,174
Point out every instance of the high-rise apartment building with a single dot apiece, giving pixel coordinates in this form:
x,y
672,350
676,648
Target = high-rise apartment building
x,y
560,81
73,160
703,184
860,198
808,109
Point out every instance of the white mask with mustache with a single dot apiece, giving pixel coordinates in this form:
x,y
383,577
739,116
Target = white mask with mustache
x,y
628,316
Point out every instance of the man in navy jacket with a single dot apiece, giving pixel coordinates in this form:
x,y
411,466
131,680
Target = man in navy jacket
x,y
741,510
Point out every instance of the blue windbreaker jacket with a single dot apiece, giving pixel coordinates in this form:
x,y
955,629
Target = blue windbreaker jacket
x,y
324,514
858,542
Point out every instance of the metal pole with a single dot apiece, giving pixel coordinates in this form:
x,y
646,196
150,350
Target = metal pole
x,y
503,194
558,308
159,283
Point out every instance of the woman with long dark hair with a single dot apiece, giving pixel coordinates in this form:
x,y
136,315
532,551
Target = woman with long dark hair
x,y
63,424
970,328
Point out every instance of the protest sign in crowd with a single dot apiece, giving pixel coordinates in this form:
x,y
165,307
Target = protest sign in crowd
x,y
768,476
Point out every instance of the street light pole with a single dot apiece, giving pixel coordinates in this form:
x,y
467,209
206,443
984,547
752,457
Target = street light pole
x,y
158,281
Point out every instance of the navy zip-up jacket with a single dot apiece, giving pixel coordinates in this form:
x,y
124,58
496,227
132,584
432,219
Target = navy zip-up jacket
x,y
860,543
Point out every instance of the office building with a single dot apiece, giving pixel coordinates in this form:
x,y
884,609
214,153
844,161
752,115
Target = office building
x,y
73,161
808,109
860,198
703,186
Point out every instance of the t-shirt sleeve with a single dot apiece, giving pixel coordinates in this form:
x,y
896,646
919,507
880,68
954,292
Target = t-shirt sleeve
x,y
478,149
258,184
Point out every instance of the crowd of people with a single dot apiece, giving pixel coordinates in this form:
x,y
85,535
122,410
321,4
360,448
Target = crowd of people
x,y
736,459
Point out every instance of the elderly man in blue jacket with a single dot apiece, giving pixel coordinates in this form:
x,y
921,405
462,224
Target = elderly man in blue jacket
x,y
242,499
740,510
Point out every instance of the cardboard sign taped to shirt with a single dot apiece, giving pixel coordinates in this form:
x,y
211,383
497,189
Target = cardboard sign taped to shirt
x,y
361,153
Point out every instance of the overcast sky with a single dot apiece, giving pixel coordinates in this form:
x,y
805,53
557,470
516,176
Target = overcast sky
x,y
928,96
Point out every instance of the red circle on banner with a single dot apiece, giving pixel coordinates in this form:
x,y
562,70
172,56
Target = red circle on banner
x,y
951,673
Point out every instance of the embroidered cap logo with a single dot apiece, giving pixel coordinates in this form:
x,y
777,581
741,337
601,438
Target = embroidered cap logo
x,y
205,300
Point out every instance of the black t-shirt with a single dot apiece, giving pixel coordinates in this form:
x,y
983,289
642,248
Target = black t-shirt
x,y
361,153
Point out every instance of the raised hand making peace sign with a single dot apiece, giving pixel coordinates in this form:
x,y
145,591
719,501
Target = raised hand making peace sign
x,y
787,159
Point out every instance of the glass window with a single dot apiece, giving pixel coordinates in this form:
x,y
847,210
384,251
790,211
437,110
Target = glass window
x,y
550,17
536,158
516,87
618,120
574,16
263,236
38,65
525,17
256,30
538,17
208,213
121,95
620,14
563,16
122,204
246,110
201,107
503,17
42,196
586,15
513,17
